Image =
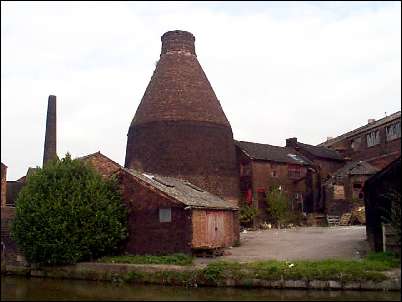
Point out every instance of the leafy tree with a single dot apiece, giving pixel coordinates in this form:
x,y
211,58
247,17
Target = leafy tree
x,y
68,213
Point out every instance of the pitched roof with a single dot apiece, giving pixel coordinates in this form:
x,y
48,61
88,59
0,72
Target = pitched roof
x,y
356,168
391,170
97,154
387,119
182,191
320,151
272,153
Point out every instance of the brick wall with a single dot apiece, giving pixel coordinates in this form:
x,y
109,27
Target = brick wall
x,y
146,234
378,155
203,154
10,254
3,184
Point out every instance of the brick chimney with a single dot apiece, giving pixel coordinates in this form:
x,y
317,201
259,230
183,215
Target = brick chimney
x,y
49,151
291,142
178,41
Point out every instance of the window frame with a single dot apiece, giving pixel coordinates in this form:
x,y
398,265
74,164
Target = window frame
x,y
163,219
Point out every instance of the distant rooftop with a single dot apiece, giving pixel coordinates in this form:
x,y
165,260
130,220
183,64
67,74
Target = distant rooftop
x,y
374,124
272,153
356,168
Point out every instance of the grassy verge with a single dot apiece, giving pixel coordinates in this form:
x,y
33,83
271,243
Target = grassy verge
x,y
369,268
176,259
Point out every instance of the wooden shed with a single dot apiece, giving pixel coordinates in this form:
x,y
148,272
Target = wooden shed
x,y
379,203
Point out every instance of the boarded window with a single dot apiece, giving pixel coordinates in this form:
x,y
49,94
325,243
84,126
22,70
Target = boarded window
x,y
339,192
165,215
373,138
393,131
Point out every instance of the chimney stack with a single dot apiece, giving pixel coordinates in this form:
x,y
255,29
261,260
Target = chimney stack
x,y
178,41
371,120
291,142
49,152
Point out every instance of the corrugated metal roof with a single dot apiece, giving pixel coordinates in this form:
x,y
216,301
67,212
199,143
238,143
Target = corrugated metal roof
x,y
356,168
387,119
183,191
272,153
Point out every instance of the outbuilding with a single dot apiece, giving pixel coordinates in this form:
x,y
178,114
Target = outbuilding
x,y
170,215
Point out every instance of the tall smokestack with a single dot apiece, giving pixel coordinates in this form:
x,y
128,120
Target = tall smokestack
x,y
49,152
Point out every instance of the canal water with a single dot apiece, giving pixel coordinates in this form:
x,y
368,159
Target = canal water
x,y
28,289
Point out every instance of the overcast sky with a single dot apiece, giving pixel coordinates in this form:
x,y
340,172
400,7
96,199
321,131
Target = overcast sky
x,y
279,69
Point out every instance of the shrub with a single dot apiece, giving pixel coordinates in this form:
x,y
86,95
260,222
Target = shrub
x,y
67,213
247,214
278,205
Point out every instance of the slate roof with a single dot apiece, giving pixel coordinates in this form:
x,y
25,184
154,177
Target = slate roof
x,y
390,118
320,151
356,168
272,153
182,190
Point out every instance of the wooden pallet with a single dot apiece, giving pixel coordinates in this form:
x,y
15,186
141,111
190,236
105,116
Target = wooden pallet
x,y
345,219
332,220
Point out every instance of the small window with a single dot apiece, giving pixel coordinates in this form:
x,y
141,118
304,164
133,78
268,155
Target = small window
x,y
357,186
393,131
273,173
165,215
294,171
373,138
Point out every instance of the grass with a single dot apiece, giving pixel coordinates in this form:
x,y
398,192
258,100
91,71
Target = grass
x,y
175,259
369,268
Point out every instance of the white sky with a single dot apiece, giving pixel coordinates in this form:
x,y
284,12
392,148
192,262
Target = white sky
x,y
279,69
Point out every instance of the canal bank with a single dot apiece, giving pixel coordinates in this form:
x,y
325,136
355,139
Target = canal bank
x,y
232,275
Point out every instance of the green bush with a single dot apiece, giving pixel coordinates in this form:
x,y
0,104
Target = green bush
x,y
67,213
278,206
247,214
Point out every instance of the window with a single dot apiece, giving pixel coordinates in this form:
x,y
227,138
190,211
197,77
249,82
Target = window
x,y
357,186
273,173
165,215
355,143
373,138
294,171
393,131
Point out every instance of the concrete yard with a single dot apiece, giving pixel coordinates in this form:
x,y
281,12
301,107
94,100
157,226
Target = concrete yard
x,y
301,243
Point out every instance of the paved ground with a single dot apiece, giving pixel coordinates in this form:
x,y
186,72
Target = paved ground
x,y
342,242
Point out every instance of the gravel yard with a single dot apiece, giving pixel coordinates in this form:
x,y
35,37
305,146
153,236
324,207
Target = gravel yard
x,y
300,243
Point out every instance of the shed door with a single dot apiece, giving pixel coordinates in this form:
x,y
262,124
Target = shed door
x,y
215,228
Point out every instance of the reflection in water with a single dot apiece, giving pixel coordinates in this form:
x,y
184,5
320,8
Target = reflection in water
x,y
20,288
